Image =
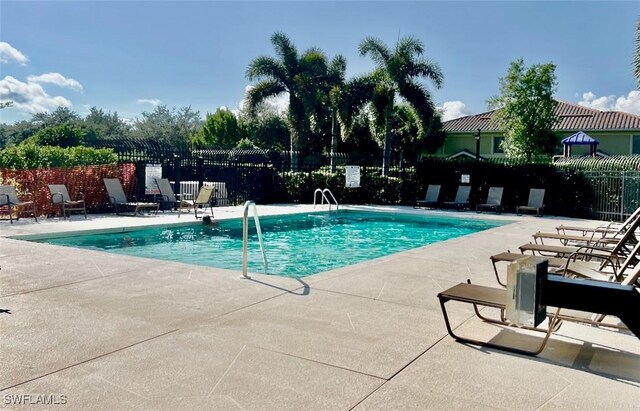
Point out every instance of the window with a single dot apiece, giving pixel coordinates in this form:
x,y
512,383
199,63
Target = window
x,y
497,141
635,144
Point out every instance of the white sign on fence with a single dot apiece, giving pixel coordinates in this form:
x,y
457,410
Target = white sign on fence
x,y
352,176
151,172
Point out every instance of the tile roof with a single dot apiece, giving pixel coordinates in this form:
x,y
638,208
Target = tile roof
x,y
571,117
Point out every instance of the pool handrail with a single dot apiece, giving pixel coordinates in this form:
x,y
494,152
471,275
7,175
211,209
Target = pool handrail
x,y
324,197
245,237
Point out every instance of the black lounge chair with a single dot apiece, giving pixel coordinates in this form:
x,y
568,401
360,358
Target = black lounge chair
x,y
431,198
462,198
535,202
494,201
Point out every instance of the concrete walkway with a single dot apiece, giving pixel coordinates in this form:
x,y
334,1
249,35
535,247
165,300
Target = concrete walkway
x,y
89,330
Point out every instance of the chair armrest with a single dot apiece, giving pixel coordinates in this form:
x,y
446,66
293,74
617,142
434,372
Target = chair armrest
x,y
185,196
4,199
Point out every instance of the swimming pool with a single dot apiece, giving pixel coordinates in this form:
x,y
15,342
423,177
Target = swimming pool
x,y
296,245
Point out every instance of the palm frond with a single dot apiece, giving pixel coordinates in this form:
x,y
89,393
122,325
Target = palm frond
x,y
427,69
260,92
376,49
409,46
313,63
336,71
418,97
265,67
352,98
286,51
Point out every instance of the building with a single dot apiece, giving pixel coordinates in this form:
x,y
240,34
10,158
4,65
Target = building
x,y
617,132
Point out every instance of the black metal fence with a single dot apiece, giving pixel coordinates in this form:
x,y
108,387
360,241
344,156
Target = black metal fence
x,y
273,177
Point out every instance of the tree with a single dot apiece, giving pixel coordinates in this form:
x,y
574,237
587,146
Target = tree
x,y
16,133
59,116
268,131
526,109
336,84
60,135
106,125
175,126
293,74
397,74
359,142
220,129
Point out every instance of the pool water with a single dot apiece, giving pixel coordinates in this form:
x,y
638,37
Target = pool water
x,y
296,245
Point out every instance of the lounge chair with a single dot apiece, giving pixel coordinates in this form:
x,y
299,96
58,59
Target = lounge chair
x,y
616,249
204,198
494,201
604,229
535,202
169,197
431,198
9,199
60,196
568,239
509,257
119,200
598,297
462,198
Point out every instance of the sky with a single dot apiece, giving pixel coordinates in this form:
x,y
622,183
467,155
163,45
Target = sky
x,y
130,56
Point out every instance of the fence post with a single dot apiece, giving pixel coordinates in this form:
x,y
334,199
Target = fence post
x,y
140,178
177,165
200,171
624,174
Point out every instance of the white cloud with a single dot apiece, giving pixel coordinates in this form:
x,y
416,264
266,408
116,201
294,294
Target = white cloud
x,y
30,96
453,109
153,101
279,104
9,54
57,79
628,104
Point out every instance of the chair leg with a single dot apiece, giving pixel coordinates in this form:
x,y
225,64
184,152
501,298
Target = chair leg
x,y
553,324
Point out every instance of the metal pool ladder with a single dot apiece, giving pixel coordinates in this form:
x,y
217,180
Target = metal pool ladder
x,y
324,197
245,236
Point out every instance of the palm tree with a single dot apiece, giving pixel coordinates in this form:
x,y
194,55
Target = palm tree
x,y
335,83
289,73
397,75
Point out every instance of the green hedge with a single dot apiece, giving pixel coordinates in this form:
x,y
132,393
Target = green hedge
x,y
30,156
567,191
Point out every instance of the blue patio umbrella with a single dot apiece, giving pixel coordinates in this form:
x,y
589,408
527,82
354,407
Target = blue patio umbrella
x,y
580,138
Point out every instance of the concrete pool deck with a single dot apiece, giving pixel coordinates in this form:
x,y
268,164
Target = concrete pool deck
x,y
92,330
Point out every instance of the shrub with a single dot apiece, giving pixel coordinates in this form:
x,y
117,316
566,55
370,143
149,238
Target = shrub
x,y
30,156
